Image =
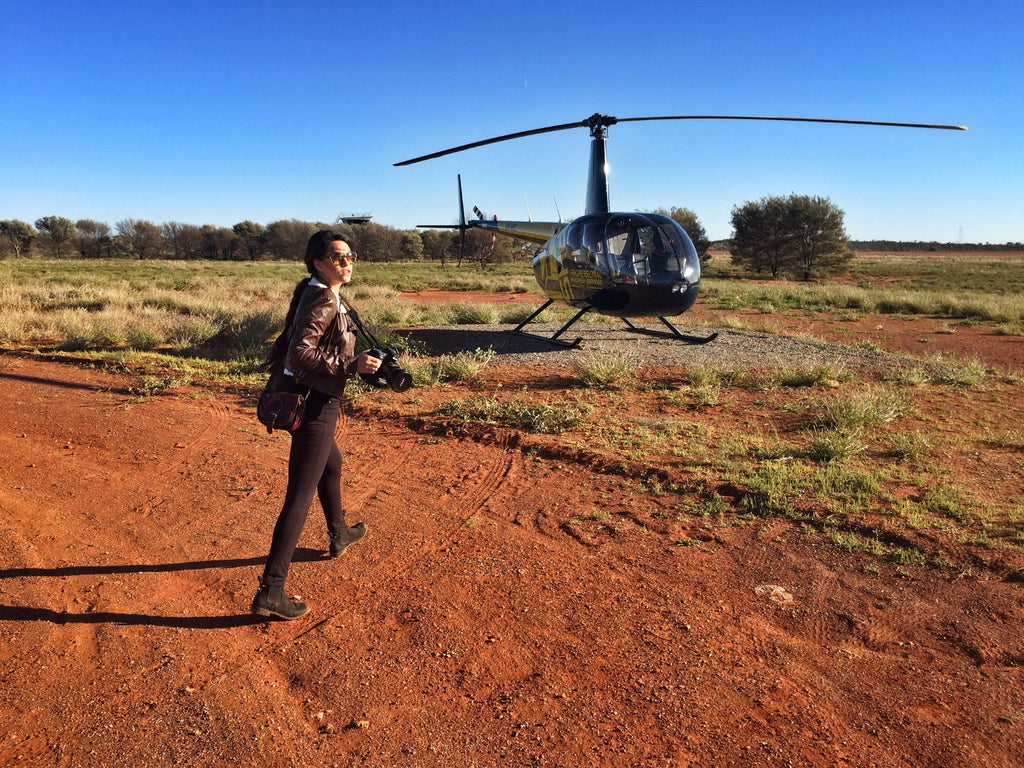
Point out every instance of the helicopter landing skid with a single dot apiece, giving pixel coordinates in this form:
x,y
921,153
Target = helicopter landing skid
x,y
672,333
553,339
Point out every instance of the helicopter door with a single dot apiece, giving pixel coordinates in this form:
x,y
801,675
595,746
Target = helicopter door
x,y
664,254
632,242
615,246
662,261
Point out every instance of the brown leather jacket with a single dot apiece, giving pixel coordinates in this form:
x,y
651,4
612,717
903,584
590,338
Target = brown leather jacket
x,y
322,343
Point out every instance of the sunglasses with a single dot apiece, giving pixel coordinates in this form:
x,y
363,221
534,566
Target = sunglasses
x,y
344,258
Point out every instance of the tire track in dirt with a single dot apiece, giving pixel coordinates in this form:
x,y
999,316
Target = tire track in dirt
x,y
464,495
403,510
214,418
531,501
366,467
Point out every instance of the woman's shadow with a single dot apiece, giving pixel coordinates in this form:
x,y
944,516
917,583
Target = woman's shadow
x,y
25,613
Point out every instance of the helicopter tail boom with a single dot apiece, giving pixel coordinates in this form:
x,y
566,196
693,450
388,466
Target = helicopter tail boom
x,y
534,231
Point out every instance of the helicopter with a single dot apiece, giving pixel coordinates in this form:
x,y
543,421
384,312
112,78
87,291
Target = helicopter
x,y
622,264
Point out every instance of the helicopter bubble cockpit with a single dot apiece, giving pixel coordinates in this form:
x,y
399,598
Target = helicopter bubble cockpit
x,y
633,247
624,264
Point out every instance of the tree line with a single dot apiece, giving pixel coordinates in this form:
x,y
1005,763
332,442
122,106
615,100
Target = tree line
x,y
59,237
798,236
932,246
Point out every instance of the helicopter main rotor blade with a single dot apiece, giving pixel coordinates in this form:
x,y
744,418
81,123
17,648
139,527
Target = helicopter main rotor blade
x,y
495,140
797,120
598,120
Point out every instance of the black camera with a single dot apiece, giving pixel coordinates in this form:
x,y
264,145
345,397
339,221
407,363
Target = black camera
x,y
390,373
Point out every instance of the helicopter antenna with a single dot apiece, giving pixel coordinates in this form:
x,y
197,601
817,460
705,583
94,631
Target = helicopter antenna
x,y
558,211
526,202
598,125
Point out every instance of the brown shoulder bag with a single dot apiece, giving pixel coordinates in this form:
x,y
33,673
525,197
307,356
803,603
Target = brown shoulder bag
x,y
280,410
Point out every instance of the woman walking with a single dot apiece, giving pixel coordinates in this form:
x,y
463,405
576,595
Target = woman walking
x,y
314,353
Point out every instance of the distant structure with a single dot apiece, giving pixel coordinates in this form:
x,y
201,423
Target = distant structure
x,y
354,218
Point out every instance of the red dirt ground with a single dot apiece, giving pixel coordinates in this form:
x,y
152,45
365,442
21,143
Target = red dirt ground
x,y
510,606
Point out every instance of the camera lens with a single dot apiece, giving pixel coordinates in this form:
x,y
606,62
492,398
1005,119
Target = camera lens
x,y
399,379
389,374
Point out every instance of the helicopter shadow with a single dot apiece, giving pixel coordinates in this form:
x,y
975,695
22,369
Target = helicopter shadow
x,y
28,613
451,341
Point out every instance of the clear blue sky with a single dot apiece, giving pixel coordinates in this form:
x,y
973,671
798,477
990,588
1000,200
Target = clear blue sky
x,y
217,112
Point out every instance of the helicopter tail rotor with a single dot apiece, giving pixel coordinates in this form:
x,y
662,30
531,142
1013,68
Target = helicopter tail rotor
x,y
462,226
